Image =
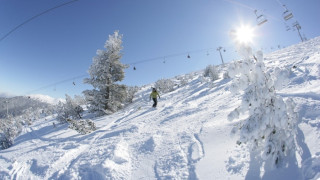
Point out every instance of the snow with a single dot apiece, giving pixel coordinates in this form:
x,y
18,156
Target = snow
x,y
188,136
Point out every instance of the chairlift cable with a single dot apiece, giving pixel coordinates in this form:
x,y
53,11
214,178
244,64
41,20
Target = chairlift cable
x,y
170,55
34,17
56,83
134,68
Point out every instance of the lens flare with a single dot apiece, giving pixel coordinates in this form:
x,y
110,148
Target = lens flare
x,y
244,34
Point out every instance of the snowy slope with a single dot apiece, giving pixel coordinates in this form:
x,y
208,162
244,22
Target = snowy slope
x,y
186,137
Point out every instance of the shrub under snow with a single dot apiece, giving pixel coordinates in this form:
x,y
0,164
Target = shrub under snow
x,y
82,126
211,72
9,130
164,85
70,109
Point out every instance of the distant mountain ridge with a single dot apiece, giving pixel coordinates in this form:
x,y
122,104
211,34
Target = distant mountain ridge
x,y
19,104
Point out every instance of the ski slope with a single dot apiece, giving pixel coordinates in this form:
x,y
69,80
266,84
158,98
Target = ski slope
x,y
187,136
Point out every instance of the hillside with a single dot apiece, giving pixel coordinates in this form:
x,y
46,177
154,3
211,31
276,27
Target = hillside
x,y
187,136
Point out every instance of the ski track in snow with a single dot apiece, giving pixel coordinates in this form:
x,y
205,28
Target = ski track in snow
x,y
186,137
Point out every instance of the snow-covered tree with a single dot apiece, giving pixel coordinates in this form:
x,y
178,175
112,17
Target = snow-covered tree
x,y
105,71
271,126
211,72
164,85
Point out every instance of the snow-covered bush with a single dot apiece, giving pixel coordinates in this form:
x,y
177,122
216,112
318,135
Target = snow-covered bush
x,y
81,100
211,72
131,91
164,85
271,126
226,75
82,126
9,130
69,109
105,70
183,80
74,109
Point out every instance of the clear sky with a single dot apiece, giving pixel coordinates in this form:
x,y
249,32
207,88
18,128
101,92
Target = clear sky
x,y
57,47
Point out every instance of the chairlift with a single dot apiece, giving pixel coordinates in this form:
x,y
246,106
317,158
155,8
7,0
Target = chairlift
x,y
188,56
260,18
73,83
134,68
287,14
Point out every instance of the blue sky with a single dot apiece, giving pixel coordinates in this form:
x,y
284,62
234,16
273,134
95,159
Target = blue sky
x,y
58,47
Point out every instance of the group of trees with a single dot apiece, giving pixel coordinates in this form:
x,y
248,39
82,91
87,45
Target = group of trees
x,y
106,97
16,112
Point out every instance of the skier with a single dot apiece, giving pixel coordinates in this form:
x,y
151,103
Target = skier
x,y
154,95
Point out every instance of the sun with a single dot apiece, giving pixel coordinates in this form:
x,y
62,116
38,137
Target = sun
x,y
244,34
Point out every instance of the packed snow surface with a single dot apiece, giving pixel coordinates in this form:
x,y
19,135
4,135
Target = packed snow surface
x,y
188,136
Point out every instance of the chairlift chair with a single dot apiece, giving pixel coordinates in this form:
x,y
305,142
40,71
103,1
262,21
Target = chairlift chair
x,y
260,18
188,56
134,68
287,14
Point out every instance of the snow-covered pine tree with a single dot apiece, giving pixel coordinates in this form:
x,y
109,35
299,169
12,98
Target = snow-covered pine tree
x,y
105,70
271,126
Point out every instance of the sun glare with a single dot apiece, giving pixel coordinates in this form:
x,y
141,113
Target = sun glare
x,y
244,34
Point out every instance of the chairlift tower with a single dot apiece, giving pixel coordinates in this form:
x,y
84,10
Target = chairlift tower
x,y
7,102
297,25
219,49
